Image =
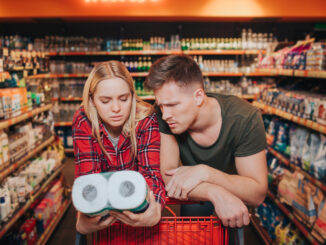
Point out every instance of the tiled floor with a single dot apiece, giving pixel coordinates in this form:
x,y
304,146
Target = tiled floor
x,y
65,231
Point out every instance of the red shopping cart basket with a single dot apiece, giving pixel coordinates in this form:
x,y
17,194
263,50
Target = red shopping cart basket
x,y
170,230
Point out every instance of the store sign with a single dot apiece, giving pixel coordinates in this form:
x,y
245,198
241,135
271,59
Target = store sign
x,y
121,1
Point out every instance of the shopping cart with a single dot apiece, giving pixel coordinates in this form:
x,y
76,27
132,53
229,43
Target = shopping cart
x,y
170,230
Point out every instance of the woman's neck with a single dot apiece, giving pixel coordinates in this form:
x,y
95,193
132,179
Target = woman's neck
x,y
114,132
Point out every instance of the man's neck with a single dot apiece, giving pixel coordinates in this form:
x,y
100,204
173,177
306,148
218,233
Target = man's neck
x,y
209,116
207,127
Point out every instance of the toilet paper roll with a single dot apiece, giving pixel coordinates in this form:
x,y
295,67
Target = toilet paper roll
x,y
89,194
127,190
96,194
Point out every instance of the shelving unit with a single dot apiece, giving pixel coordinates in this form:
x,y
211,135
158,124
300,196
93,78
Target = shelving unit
x,y
9,122
158,52
261,230
293,73
144,74
69,150
288,116
49,230
63,124
293,219
14,166
34,195
287,163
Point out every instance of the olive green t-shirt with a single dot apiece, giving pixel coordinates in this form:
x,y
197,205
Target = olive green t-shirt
x,y
242,134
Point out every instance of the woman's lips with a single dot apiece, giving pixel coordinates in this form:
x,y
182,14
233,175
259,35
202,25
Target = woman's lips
x,y
116,118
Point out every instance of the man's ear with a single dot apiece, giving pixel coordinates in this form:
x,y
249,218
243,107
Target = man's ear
x,y
199,96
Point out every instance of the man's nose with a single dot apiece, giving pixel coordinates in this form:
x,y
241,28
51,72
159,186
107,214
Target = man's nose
x,y
166,114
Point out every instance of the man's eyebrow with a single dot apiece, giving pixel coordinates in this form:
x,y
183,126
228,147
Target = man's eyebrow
x,y
168,103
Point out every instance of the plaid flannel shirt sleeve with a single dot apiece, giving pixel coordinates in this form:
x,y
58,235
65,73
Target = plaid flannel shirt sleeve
x,y
87,159
148,157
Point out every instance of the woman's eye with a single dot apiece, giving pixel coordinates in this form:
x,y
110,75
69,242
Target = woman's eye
x,y
105,102
124,99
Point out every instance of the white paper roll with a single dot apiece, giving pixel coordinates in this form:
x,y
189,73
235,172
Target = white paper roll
x,y
127,190
96,194
89,194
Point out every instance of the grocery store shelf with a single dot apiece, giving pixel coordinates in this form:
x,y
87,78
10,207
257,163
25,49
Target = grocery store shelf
x,y
222,52
288,116
147,97
117,53
222,74
294,220
294,73
287,162
54,222
71,98
9,122
159,52
248,96
44,187
261,230
258,74
69,150
13,167
312,74
63,124
139,74
144,74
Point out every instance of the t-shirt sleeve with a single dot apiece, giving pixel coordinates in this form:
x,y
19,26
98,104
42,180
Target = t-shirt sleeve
x,y
252,136
163,126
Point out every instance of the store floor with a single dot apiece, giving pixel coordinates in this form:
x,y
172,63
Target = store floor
x,y
64,234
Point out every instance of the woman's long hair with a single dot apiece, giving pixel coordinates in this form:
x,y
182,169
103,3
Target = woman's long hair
x,y
139,109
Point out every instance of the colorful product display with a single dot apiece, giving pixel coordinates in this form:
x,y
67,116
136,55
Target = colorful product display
x,y
15,190
279,228
246,40
305,105
305,55
305,148
30,229
243,87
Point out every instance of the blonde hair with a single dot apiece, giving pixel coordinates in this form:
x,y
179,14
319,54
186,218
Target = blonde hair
x,y
139,108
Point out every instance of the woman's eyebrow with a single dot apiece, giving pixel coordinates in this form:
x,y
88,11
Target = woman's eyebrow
x,y
108,97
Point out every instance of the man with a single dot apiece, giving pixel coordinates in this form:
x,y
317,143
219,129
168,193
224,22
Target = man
x,y
219,139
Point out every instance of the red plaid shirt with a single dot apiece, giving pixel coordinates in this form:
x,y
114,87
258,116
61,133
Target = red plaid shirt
x,y
89,157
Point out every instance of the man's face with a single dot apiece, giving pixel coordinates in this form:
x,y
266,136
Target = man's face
x,y
177,106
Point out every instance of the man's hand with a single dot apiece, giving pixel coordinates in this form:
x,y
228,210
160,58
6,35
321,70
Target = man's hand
x,y
86,224
229,208
150,217
185,179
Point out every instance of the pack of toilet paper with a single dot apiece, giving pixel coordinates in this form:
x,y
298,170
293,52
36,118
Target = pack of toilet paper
x,y
97,194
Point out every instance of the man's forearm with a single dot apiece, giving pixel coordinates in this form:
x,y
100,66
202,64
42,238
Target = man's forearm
x,y
247,189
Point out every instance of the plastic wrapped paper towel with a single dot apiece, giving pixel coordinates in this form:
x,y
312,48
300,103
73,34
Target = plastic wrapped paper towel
x,y
97,194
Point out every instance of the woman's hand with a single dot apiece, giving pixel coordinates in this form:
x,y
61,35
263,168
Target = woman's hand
x,y
150,217
86,224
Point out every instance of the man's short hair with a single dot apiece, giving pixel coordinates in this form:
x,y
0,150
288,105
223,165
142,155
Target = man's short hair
x,y
181,69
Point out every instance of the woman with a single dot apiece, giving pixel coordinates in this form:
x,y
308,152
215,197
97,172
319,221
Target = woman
x,y
114,130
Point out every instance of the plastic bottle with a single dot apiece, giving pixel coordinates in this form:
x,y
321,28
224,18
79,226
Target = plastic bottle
x,y
5,146
39,223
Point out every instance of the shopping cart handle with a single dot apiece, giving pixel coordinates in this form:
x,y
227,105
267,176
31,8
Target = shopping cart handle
x,y
171,201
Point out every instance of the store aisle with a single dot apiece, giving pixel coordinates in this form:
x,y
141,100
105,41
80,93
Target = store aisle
x,y
65,231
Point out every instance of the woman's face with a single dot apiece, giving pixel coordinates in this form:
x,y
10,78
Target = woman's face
x,y
112,99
